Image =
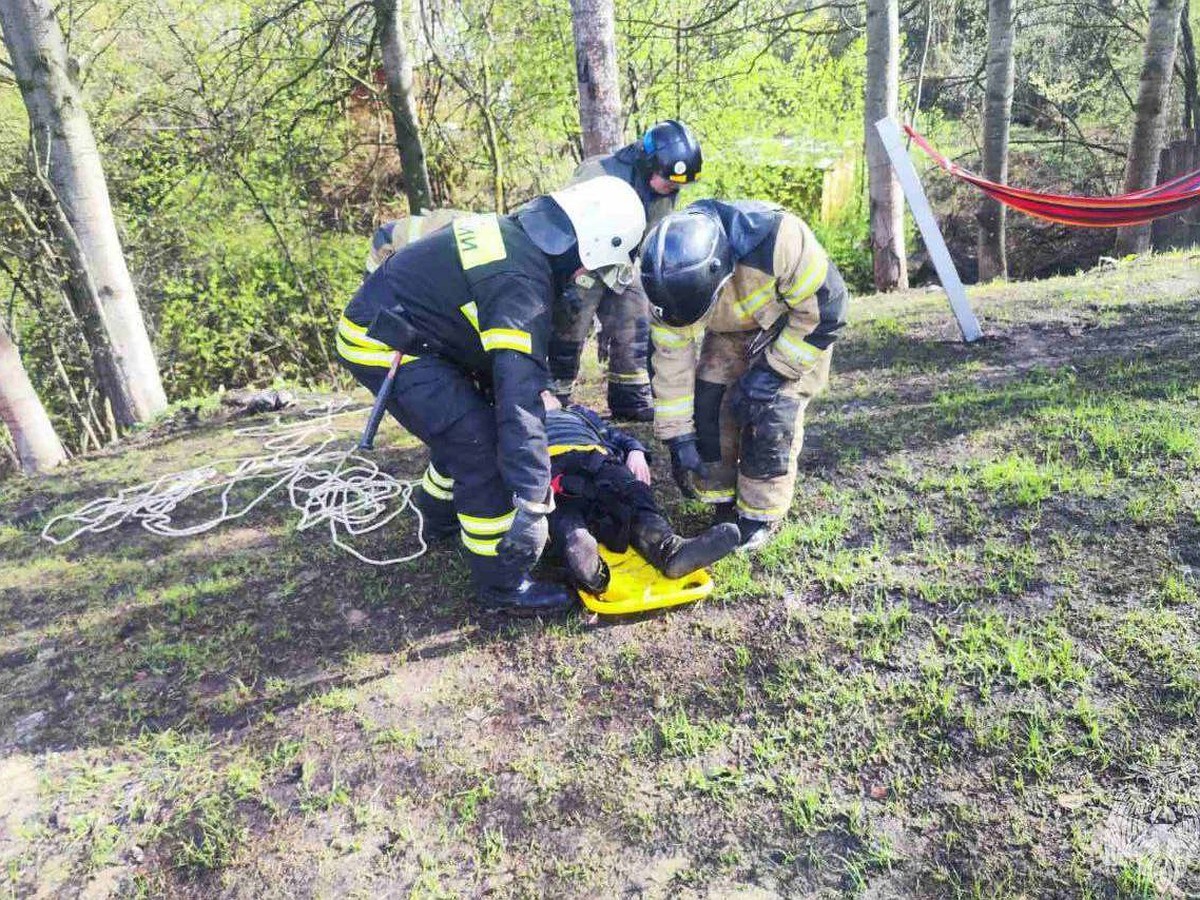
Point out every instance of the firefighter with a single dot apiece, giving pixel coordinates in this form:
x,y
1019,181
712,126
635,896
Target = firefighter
x,y
601,481
746,306
468,308
391,236
663,161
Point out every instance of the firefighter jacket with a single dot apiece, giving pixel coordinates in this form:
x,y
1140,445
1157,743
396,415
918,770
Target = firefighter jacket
x,y
628,164
480,292
391,236
783,287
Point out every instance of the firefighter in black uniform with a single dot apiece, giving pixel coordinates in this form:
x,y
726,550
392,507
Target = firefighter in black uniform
x,y
666,159
469,308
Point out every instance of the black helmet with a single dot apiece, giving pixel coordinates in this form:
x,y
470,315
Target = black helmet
x,y
673,151
686,261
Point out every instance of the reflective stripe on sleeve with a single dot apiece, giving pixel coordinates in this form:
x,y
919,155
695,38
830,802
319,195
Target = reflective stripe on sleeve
x,y
506,339
808,282
799,354
471,311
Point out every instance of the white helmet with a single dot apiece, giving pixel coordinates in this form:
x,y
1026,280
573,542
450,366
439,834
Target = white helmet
x,y
608,219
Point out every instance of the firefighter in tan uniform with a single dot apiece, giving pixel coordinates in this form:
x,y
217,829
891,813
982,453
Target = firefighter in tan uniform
x,y
666,159
391,236
746,305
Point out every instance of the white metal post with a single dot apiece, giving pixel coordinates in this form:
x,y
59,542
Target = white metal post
x,y
922,212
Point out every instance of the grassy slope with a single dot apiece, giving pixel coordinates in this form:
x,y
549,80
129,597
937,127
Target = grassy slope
x,y
969,666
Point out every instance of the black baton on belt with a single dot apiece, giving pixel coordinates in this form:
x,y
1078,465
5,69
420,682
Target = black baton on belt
x,y
367,441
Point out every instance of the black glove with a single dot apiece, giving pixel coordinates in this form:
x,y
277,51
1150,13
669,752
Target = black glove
x,y
756,390
526,537
685,460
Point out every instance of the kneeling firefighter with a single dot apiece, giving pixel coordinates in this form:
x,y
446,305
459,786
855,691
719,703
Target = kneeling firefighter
x,y
469,309
666,159
746,306
391,236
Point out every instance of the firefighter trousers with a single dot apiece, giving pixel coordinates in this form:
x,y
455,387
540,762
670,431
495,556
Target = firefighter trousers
x,y
625,331
754,463
440,404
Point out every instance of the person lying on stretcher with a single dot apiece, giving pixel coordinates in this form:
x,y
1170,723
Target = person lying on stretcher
x,y
601,481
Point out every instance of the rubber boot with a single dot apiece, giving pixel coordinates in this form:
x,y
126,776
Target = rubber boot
x,y
630,402
724,512
674,556
753,534
582,556
529,598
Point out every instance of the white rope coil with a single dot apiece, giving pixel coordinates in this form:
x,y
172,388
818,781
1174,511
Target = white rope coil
x,y
328,485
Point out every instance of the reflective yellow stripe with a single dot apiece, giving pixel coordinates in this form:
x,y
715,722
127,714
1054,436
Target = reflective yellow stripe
x,y
357,335
478,547
668,337
560,449
757,300
802,352
438,478
809,281
506,339
434,490
479,240
722,496
471,311
679,408
486,524
761,511
382,358
414,228
629,377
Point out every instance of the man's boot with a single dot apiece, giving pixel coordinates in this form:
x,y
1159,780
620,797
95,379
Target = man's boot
x,y
753,535
724,512
582,556
674,556
529,598
630,402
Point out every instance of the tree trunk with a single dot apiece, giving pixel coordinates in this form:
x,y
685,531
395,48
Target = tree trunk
x,y
1191,90
38,447
1158,63
997,114
66,158
594,25
883,98
398,69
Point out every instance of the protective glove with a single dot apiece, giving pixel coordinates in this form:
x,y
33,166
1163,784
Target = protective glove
x,y
754,392
685,460
527,536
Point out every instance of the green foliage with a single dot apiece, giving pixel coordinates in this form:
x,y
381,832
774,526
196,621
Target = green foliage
x,y
237,315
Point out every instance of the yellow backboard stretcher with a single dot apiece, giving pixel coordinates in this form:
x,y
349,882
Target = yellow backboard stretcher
x,y
636,586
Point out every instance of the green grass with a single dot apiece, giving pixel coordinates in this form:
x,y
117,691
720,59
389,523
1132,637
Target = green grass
x,y
970,646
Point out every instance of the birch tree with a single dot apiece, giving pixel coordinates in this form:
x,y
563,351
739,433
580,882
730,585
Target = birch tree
x,y
38,447
65,158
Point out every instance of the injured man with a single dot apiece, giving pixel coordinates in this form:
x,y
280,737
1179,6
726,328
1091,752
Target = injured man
x,y
601,482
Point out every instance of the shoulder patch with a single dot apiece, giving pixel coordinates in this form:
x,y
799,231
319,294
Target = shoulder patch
x,y
479,240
